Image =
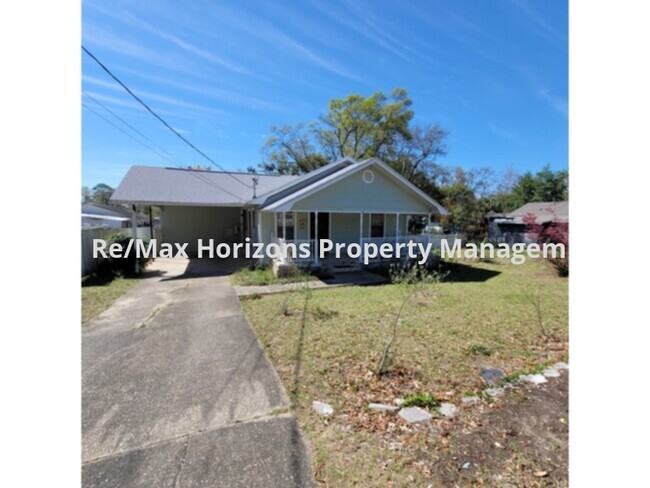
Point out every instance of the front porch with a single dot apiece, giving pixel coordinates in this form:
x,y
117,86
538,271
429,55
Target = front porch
x,y
310,227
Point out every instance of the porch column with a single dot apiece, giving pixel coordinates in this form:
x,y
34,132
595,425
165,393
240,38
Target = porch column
x,y
309,227
275,226
284,226
360,234
396,228
316,243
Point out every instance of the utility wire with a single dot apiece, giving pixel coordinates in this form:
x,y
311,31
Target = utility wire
x,y
130,126
150,110
180,164
197,175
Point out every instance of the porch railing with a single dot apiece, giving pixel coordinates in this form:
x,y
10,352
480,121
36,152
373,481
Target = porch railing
x,y
424,239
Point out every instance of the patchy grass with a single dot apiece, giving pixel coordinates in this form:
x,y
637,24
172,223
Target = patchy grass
x,y
260,276
332,358
97,294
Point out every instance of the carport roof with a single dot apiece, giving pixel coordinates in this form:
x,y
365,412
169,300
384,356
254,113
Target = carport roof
x,y
150,185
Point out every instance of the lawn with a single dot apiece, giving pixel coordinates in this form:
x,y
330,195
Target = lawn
x,y
97,294
260,276
481,316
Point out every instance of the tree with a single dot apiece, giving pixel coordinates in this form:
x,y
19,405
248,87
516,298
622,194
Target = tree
x,y
363,128
101,193
360,127
554,232
85,194
290,150
545,186
465,214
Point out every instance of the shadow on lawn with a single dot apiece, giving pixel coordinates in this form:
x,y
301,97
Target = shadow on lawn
x,y
463,273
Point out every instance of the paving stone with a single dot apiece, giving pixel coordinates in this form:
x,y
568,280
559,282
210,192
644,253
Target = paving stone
x,y
398,401
492,376
382,407
536,379
448,410
470,400
561,365
495,392
551,372
414,414
322,408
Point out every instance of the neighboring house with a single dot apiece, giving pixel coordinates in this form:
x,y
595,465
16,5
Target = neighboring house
x,y
511,228
346,201
106,217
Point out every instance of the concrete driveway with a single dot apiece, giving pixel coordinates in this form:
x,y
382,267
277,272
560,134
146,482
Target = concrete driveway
x,y
176,390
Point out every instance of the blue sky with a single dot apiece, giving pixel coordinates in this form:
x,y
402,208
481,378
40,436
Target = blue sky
x,y
493,73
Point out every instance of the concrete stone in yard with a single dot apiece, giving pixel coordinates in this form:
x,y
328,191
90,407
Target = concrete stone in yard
x,y
448,410
322,408
492,376
551,372
536,379
382,407
495,392
414,414
398,401
470,400
561,365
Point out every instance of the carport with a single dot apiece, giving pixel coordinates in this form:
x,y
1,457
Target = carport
x,y
197,204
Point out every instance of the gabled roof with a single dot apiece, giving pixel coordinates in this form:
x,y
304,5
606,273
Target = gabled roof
x,y
302,181
322,183
544,211
150,185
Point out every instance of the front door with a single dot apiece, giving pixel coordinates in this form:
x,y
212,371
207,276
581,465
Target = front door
x,y
323,225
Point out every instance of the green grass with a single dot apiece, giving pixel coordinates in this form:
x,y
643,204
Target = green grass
x,y
484,304
261,276
98,294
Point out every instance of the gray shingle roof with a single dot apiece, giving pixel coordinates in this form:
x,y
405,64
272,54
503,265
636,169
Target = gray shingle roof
x,y
171,186
544,211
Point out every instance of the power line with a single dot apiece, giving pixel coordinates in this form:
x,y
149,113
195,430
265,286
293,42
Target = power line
x,y
130,126
150,110
197,175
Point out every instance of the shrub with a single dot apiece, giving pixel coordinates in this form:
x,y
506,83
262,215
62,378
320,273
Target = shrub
x,y
555,232
420,400
124,266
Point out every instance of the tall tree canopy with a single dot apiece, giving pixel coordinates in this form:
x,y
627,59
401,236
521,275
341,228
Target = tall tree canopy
x,y
101,193
545,186
360,127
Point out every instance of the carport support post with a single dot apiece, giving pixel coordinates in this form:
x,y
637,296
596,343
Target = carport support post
x,y
134,233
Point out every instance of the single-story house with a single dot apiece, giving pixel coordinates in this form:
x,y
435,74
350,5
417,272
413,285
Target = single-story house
x,y
94,215
345,201
511,228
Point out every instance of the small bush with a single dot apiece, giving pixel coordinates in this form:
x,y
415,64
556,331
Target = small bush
x,y
420,400
124,266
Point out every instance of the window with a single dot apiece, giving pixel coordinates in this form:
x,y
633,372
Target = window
x,y
288,217
377,225
279,217
285,221
368,176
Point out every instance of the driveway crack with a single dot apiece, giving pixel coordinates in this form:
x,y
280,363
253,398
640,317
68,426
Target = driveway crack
x,y
186,448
